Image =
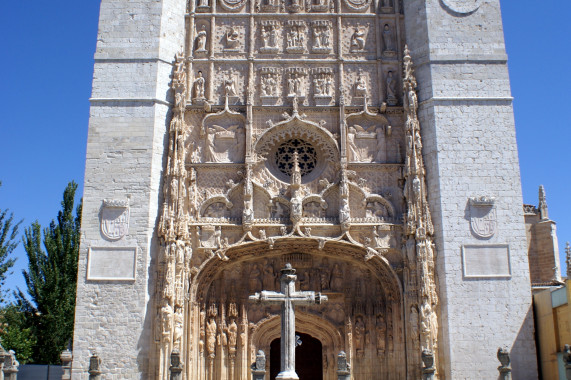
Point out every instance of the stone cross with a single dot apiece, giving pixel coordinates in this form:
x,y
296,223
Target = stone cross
x,y
288,298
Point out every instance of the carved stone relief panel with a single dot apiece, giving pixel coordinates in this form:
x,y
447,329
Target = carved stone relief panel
x,y
231,37
296,82
322,37
358,39
323,85
360,83
269,36
270,84
296,37
230,80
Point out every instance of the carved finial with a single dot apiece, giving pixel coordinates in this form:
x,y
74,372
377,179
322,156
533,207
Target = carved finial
x,y
568,259
543,213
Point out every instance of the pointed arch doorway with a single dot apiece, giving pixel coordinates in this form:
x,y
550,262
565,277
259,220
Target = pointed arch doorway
x,y
308,358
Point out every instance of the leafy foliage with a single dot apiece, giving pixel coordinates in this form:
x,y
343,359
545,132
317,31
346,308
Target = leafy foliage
x,y
15,335
8,234
51,280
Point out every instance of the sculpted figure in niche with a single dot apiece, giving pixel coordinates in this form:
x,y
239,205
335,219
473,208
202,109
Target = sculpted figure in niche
x,y
199,86
202,3
358,39
211,337
201,40
360,86
336,283
359,336
232,333
269,85
232,38
269,36
294,84
295,37
166,313
381,330
254,282
388,39
178,326
269,276
229,87
391,89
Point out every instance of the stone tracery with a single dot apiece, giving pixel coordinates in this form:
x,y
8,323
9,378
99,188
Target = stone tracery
x,y
237,203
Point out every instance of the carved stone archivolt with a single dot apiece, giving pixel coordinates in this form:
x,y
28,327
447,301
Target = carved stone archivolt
x,y
291,142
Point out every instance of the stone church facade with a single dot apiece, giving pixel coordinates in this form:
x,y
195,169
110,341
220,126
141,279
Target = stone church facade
x,y
368,143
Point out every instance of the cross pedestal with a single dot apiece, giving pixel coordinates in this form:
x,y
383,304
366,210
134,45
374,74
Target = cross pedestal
x,y
288,297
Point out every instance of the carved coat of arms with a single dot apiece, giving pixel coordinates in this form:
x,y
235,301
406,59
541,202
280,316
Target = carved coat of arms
x,y
114,219
483,217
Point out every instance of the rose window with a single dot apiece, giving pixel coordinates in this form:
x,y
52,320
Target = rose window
x,y
307,156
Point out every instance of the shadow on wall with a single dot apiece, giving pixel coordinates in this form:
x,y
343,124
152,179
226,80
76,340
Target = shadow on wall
x,y
523,353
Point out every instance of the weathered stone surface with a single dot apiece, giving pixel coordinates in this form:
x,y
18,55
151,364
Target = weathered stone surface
x,y
246,135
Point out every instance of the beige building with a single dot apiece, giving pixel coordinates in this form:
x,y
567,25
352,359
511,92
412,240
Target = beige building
x,y
368,143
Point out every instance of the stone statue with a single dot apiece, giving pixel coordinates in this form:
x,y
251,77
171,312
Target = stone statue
x,y
352,145
202,3
232,332
324,275
178,326
391,89
360,86
211,337
229,87
358,39
255,274
336,283
199,84
359,336
504,369
201,40
381,329
269,276
388,40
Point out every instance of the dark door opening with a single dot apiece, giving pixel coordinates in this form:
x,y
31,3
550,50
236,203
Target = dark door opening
x,y
308,358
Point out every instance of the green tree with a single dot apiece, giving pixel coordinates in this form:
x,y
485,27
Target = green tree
x,y
51,280
8,242
14,334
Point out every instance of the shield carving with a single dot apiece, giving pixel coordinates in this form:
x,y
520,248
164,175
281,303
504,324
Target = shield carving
x,y
114,219
483,221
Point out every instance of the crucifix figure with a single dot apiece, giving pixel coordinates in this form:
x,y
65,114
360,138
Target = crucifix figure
x,y
287,298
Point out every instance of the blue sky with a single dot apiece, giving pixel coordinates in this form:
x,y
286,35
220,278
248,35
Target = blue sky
x,y
45,85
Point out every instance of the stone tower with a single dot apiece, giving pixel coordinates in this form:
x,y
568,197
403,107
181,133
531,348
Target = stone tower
x,y
229,137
